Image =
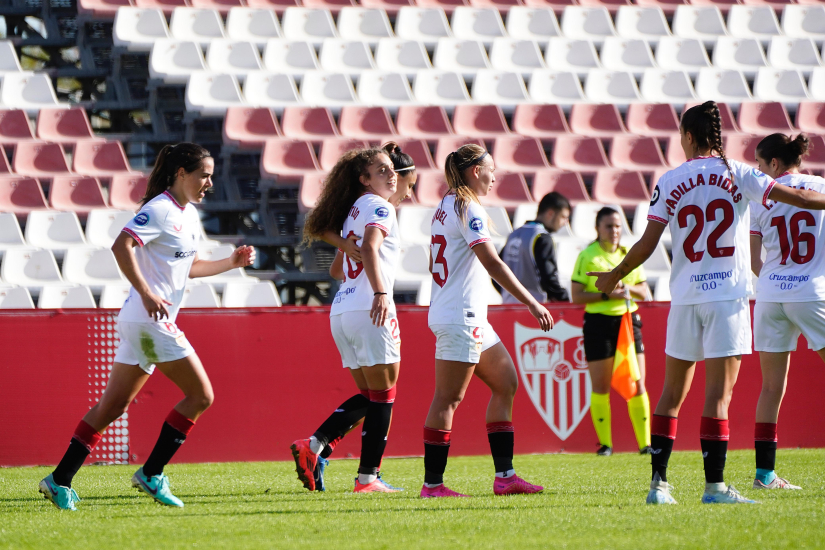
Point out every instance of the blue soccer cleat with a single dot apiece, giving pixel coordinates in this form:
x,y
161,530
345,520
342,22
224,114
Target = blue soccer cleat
x,y
156,487
660,492
62,497
728,496
320,466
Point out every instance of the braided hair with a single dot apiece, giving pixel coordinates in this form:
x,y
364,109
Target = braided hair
x,y
704,122
172,158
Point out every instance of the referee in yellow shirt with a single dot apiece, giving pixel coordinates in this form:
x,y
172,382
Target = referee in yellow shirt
x,y
602,318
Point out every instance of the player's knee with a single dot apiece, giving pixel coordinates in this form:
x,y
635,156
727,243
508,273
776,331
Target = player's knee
x,y
204,400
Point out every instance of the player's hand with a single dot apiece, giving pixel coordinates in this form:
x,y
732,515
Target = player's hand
x,y
380,310
155,306
604,281
351,249
242,256
619,293
542,316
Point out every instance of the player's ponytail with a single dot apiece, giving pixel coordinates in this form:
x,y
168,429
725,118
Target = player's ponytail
x,y
788,151
172,158
704,122
454,167
402,163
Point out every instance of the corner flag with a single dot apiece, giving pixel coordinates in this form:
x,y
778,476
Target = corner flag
x,y
625,366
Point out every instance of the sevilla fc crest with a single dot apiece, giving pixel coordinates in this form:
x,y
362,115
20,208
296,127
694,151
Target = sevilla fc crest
x,y
554,372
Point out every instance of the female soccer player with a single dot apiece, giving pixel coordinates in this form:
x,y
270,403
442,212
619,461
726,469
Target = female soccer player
x,y
156,251
363,320
462,259
790,292
602,319
705,203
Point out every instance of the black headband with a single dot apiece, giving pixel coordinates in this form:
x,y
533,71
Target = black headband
x,y
472,162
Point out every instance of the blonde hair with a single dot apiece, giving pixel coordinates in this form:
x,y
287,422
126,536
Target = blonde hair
x,y
457,163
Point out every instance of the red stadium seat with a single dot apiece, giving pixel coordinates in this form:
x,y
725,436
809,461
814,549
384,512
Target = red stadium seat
x,y
668,6
222,6
652,119
519,154
742,147
423,122
5,167
728,122
64,125
509,191
39,158
636,153
583,154
390,6
20,195
249,128
655,175
545,122
333,148
764,118
167,6
815,159
287,160
14,127
308,123
447,5
126,191
481,121
674,153
78,194
596,120
419,152
625,188
448,144
309,191
569,184
366,122
430,187
100,9
278,5
775,3
97,157
810,117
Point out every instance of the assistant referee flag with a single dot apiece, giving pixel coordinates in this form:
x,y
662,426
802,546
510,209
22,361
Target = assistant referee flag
x,y
625,366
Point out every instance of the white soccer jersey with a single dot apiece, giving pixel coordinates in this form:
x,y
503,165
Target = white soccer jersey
x,y
710,222
168,235
794,269
356,293
460,282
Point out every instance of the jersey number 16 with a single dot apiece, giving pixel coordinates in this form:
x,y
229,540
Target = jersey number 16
x,y
797,236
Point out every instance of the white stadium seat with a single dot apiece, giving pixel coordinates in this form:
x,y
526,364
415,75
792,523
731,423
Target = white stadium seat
x,y
228,56
173,61
104,225
682,54
516,55
10,234
500,227
368,25
603,86
775,84
136,29
435,87
93,267
502,88
462,56
482,24
722,86
260,294
567,252
325,89
66,297
272,90
703,23
196,25
15,297
211,94
739,54
311,25
414,224
816,85
30,92
197,294
646,23
640,224
255,25
402,55
346,56
556,87
384,88
664,86
806,21
572,55
757,22
661,291
624,54
113,296
9,63
32,268
55,231
413,273
586,23
583,219
426,25
292,57
528,23
794,53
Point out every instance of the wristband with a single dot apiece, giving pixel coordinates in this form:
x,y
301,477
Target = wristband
x,y
379,293
605,297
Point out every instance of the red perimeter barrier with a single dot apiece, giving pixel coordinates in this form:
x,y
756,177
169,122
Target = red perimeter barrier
x,y
277,375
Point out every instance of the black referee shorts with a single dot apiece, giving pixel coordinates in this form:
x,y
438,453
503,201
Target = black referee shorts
x,y
601,332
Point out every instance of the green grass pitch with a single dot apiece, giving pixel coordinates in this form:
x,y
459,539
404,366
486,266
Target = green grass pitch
x,y
589,502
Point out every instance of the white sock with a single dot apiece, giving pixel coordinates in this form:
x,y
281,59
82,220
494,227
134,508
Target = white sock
x,y
505,475
315,445
364,479
432,485
716,487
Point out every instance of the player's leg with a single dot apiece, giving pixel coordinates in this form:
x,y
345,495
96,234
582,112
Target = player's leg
x,y
601,372
775,368
638,407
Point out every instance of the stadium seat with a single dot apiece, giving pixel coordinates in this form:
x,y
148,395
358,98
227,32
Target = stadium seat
x,y
482,24
137,29
674,154
787,86
66,297
334,6
502,6
623,187
664,86
810,116
500,227
815,158
626,54
211,94
420,122
794,53
636,153
54,231
113,296
5,167
196,25
413,273
78,194
271,90
126,191
612,6
526,23
577,153
573,55
364,24
221,6
516,55
657,120
9,63
596,120
279,6
448,144
100,9
447,5
481,121
309,25
668,6
675,53
703,23
742,147
292,57
10,234
260,294
661,289
722,86
435,87
764,118
29,92
619,87
587,23
254,25
308,123
640,225
414,223
816,84
645,23
384,88
509,191
569,184
20,195
31,268
739,54
757,22
540,121
418,150
199,295
99,158
248,128
333,148
14,127
519,154
429,190
285,160
311,186
15,297
104,225
390,6
723,5
64,125
228,56
425,25
39,159
804,21
466,57
583,220
166,6
402,55
173,61
332,90
555,87
369,123
502,88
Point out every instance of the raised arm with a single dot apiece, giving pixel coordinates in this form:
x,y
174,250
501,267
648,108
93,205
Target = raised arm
x,y
348,245
801,198
124,251
241,257
636,256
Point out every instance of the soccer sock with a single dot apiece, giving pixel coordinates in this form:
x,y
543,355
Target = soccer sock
x,y
436,449
501,438
172,435
84,440
714,434
329,447
639,410
343,418
663,434
600,413
765,442
374,433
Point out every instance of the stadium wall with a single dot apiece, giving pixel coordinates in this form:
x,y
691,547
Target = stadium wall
x,y
276,375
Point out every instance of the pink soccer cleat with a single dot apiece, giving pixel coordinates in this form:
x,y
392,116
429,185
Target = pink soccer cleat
x,y
440,491
514,485
376,486
305,461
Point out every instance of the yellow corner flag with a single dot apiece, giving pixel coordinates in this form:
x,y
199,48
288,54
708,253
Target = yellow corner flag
x,y
625,366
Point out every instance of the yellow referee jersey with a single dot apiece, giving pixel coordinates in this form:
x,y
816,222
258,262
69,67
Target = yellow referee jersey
x,y
595,258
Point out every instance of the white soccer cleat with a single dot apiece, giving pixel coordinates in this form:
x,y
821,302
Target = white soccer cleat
x,y
777,483
728,496
660,492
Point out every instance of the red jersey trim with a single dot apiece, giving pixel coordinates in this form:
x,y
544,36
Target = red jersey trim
x,y
701,158
479,241
767,192
133,235
381,227
757,233
168,194
651,217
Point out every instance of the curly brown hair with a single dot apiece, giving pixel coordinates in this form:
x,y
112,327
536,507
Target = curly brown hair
x,y
342,187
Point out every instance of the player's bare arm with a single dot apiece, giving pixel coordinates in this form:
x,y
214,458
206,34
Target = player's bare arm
x,y
636,256
336,270
579,296
373,237
124,251
756,254
801,198
349,245
242,256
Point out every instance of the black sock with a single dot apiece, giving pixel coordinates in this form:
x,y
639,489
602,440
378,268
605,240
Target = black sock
x,y
167,445
714,454
662,448
765,455
435,462
342,419
501,438
70,463
374,436
326,451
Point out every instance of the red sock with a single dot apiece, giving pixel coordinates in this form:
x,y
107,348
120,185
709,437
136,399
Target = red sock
x,y
87,435
664,426
764,431
714,429
180,422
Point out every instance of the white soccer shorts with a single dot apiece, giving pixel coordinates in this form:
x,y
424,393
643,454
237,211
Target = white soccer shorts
x,y
145,344
463,343
362,344
705,331
777,326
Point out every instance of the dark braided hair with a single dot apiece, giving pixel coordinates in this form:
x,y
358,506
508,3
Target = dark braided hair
x,y
788,151
172,158
401,161
705,125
